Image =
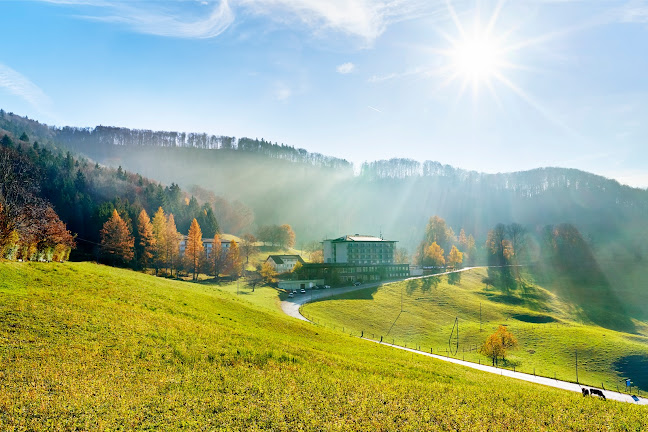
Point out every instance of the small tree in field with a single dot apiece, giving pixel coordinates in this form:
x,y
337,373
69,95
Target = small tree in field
x,y
116,240
498,344
194,250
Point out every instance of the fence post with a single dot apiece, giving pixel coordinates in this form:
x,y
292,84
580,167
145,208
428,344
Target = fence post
x,y
362,333
380,339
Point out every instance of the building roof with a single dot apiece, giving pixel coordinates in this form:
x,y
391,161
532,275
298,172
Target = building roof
x,y
361,238
279,259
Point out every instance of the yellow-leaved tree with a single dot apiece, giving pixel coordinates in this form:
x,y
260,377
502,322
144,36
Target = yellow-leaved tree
x,y
498,344
116,240
455,258
172,244
268,273
233,262
434,256
194,250
146,240
159,233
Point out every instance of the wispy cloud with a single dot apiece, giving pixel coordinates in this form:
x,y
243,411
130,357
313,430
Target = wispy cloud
x,y
365,19
19,85
415,72
345,68
373,108
282,92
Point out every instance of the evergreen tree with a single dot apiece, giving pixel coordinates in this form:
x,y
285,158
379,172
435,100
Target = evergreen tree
x,y
116,240
194,250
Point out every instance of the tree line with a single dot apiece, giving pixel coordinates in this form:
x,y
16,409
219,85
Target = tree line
x,y
156,244
118,136
439,238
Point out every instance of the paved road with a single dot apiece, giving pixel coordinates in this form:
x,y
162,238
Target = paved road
x,y
292,305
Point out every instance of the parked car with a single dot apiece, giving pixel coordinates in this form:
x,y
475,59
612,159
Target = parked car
x,y
303,291
290,294
356,283
327,286
294,291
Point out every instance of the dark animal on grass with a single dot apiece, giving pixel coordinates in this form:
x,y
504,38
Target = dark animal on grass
x,y
585,391
597,392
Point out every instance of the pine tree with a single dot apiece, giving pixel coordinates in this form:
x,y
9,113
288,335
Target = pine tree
x,y
159,233
194,250
116,240
146,242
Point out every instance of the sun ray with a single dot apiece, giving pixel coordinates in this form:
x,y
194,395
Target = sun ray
x,y
535,105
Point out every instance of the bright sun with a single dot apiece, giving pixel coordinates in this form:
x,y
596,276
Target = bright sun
x,y
476,59
477,55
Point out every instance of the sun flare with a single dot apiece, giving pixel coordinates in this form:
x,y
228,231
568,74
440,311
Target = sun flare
x,y
477,59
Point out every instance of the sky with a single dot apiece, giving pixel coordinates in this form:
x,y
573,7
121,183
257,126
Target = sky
x,y
491,86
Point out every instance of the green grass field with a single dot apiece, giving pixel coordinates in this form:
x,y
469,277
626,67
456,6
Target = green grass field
x,y
548,330
88,347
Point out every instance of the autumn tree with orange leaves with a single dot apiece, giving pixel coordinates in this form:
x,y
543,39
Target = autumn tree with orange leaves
x,y
116,240
146,240
497,344
194,250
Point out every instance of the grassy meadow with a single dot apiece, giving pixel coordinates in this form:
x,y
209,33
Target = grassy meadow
x,y
89,347
549,330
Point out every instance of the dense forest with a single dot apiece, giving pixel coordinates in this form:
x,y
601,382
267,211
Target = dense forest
x,y
51,182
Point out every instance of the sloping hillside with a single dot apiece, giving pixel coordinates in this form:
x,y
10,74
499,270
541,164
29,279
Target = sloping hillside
x,y
88,347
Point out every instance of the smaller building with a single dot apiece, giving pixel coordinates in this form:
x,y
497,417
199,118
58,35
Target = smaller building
x,y
284,263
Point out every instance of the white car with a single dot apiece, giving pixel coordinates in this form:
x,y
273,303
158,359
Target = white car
x,y
303,291
327,286
290,294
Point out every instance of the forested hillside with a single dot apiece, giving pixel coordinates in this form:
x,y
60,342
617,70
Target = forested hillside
x,y
42,182
253,182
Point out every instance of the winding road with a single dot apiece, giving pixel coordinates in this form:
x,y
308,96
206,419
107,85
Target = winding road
x,y
291,307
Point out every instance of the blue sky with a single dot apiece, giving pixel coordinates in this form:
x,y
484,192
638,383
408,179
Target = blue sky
x,y
557,82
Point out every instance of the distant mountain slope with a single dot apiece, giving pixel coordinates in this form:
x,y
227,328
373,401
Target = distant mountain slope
x,y
320,196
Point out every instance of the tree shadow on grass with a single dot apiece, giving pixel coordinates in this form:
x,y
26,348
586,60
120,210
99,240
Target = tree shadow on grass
x,y
634,367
